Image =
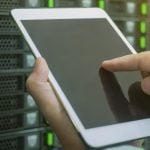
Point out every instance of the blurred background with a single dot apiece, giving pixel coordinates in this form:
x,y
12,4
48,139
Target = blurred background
x,y
22,127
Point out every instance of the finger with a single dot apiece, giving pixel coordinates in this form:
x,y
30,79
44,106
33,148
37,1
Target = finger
x,y
131,62
145,84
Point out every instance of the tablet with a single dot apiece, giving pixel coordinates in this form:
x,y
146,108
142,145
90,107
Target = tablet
x,y
74,42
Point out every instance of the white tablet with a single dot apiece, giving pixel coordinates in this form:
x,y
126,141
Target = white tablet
x,y
75,41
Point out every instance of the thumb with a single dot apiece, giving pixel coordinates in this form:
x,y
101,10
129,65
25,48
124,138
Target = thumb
x,y
39,87
40,71
38,77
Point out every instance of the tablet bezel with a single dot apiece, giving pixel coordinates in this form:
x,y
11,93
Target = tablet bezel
x,y
94,137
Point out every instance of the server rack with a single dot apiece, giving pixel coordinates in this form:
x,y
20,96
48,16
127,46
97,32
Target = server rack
x,y
22,127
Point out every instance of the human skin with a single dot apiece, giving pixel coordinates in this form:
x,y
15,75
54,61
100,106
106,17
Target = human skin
x,y
135,62
42,92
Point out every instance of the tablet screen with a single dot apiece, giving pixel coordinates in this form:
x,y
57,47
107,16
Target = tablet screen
x,y
74,50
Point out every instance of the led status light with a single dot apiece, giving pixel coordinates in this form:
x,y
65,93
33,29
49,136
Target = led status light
x,y
50,3
86,3
32,3
30,102
144,8
32,141
31,118
131,40
143,27
130,26
50,139
143,43
30,60
101,4
131,7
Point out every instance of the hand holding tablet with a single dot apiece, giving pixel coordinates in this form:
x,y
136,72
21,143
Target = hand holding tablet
x,y
74,43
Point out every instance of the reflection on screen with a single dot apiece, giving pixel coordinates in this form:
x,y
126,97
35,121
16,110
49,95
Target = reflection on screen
x,y
74,50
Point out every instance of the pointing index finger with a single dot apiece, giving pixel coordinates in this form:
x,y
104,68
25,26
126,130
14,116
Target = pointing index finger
x,y
140,61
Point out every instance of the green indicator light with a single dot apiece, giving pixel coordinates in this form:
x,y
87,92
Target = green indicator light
x,y
50,3
144,8
50,139
101,4
142,42
143,27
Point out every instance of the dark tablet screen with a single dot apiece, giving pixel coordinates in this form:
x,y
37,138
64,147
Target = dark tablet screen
x,y
74,50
